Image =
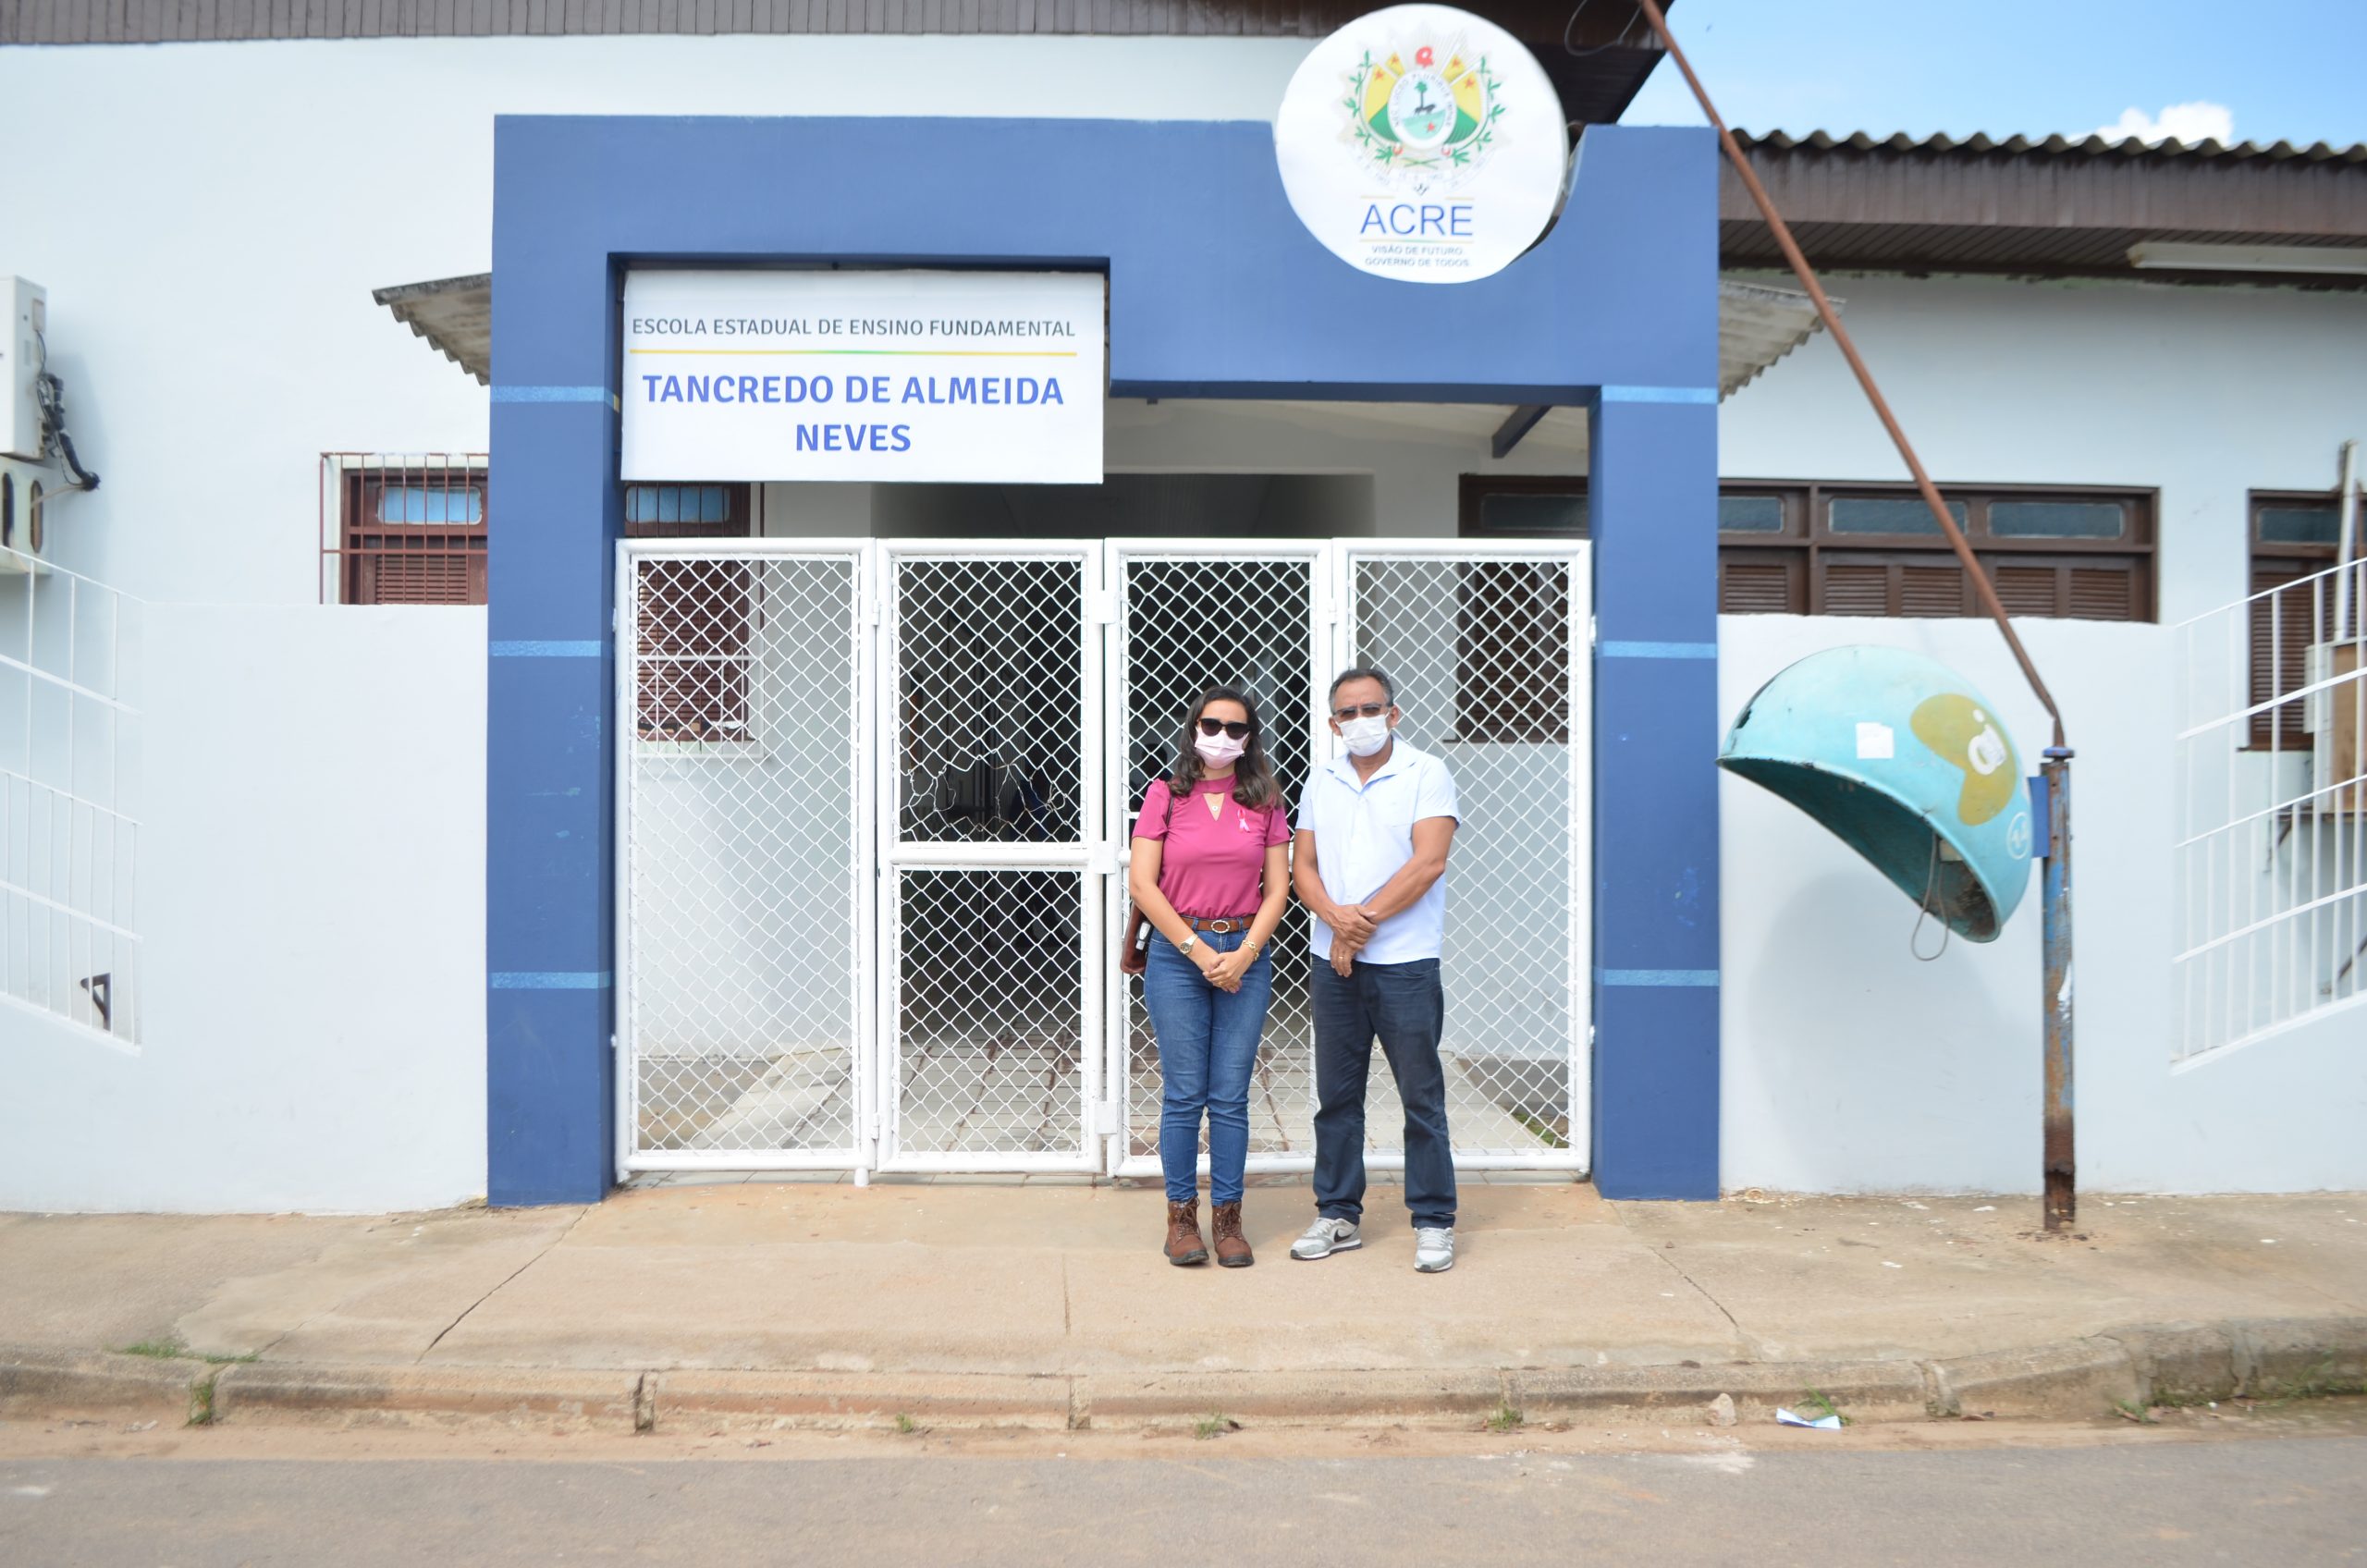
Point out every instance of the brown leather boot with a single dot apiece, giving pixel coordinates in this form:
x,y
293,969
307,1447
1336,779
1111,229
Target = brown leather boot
x,y
1183,1244
1233,1247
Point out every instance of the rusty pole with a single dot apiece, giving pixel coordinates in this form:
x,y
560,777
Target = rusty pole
x,y
2062,1190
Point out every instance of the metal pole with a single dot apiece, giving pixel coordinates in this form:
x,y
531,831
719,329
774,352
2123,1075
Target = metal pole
x,y
2056,769
2060,1169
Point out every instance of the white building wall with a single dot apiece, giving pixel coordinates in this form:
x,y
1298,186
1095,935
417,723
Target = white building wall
x,y
314,1021
1849,1065
313,905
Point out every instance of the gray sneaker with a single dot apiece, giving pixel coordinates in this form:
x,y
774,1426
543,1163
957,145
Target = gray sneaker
x,y
1433,1249
1325,1237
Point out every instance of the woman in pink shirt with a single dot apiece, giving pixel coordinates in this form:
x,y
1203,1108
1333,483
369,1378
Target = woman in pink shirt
x,y
1210,871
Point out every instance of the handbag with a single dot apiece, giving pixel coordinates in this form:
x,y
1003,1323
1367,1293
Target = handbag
x,y
1133,948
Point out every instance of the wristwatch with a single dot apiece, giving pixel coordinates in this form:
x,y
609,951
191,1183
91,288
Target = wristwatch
x,y
1191,940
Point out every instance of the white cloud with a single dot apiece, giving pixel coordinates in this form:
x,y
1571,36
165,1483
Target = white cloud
x,y
2198,121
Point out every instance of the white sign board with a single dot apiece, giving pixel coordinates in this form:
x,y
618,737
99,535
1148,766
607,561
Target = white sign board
x,y
919,376
1425,143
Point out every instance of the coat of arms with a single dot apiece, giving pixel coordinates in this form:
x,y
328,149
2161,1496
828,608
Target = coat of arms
x,y
1423,116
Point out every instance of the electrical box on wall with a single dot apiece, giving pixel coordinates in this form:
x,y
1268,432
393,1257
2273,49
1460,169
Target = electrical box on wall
x,y
20,359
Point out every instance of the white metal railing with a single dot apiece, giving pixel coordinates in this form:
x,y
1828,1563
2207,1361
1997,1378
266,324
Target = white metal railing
x,y
2271,845
69,933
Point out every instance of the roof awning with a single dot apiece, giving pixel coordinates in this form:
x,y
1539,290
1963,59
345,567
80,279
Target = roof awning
x,y
455,314
1756,326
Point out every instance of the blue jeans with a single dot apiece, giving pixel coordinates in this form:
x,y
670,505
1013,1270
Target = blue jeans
x,y
1403,1004
1207,1047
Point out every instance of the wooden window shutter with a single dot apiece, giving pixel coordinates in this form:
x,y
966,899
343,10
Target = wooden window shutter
x,y
1761,583
1932,590
2025,590
411,534
2108,592
1857,588
2282,627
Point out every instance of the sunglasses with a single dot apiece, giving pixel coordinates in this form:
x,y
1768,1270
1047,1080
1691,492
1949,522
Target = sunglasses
x,y
1360,710
1213,727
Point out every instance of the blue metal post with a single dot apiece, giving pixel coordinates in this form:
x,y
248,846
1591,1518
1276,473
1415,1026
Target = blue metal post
x,y
1653,506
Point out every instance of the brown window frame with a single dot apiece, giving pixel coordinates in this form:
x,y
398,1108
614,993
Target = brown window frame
x,y
374,562
705,614
1919,569
2267,564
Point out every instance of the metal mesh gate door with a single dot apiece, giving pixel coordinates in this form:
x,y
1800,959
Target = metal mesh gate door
x,y
745,857
1187,619
1489,649
992,717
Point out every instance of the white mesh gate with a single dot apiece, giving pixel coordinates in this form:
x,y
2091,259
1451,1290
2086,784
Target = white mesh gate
x,y
1489,646
745,916
874,808
1490,651
1187,619
989,829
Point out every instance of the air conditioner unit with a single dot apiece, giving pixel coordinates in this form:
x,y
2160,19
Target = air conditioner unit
x,y
25,489
20,359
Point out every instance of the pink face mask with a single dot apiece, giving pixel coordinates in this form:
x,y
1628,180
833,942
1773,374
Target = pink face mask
x,y
1218,750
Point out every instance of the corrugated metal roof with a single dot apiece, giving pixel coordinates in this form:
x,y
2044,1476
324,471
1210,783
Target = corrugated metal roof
x,y
2051,146
2039,206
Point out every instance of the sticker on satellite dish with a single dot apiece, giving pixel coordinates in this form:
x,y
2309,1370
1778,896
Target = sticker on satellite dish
x,y
1425,143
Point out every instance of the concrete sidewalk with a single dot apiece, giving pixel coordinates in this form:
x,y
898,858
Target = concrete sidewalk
x,y
1049,1301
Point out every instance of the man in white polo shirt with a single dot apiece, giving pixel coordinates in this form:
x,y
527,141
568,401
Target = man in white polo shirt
x,y
1374,828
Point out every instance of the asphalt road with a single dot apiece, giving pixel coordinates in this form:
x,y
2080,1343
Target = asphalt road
x,y
2267,1500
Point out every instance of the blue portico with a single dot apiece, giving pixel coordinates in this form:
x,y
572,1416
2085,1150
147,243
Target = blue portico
x,y
1215,291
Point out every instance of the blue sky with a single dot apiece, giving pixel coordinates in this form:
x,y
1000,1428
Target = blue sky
x,y
2296,71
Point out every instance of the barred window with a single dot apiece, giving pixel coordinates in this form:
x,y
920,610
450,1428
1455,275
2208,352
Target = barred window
x,y
403,530
1819,548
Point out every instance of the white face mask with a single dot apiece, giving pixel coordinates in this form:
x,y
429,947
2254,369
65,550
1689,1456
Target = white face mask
x,y
1218,750
1366,736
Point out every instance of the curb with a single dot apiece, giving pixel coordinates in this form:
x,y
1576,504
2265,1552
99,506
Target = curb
x,y
1305,1399
1868,1390
411,1395
713,1400
40,1382
2075,1380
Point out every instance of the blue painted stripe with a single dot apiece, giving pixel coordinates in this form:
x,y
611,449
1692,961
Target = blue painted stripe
x,y
551,395
1658,650
587,650
1658,394
1640,977
548,980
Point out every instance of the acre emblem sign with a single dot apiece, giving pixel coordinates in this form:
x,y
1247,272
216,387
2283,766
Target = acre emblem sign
x,y
1425,143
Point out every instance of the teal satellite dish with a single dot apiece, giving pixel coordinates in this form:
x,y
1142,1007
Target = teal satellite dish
x,y
1906,763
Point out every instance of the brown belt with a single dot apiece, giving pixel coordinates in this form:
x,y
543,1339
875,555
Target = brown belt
x,y
1220,924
